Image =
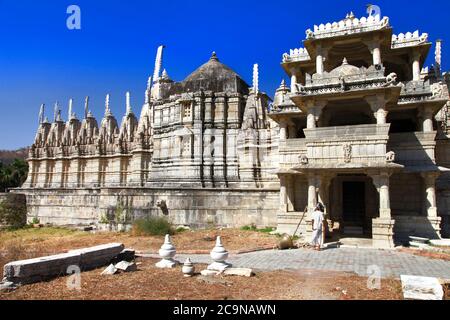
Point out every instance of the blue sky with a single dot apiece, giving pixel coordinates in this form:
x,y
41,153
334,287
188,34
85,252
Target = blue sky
x,y
41,61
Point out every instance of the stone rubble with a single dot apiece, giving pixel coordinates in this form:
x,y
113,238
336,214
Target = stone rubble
x,y
421,288
126,266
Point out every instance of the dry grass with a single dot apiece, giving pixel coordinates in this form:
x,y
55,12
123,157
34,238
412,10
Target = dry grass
x,y
151,283
35,242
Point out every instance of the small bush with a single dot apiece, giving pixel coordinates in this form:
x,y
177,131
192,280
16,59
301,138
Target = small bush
x,y
13,212
152,226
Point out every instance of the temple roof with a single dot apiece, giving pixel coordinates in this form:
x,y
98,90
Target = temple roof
x,y
214,76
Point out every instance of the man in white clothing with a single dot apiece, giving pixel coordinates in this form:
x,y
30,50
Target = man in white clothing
x,y
318,220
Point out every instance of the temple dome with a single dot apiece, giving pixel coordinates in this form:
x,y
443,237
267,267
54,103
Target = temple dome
x,y
215,76
345,69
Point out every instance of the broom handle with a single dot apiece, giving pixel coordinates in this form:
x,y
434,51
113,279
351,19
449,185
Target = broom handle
x,y
304,212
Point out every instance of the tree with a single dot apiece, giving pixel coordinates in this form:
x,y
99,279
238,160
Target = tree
x,y
13,175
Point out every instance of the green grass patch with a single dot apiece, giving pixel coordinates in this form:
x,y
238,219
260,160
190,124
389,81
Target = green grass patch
x,y
152,226
255,228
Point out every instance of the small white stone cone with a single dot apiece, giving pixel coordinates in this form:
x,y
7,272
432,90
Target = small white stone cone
x,y
167,252
219,255
188,268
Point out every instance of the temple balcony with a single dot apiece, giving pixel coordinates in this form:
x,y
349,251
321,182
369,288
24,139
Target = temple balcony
x,y
341,148
345,81
413,92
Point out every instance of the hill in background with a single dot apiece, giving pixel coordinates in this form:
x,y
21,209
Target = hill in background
x,y
8,156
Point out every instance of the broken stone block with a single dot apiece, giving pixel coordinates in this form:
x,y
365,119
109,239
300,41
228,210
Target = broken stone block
x,y
242,272
421,288
126,255
440,242
209,273
110,270
7,286
126,266
43,268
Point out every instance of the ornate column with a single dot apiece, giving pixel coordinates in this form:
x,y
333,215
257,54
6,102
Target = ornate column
x,y
374,48
320,57
312,192
283,130
383,227
426,115
283,194
377,104
293,80
290,193
416,66
429,179
314,112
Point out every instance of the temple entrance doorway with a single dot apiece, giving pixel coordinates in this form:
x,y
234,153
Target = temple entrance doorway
x,y
353,204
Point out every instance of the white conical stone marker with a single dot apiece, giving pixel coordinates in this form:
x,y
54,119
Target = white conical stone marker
x,y
219,255
188,268
167,252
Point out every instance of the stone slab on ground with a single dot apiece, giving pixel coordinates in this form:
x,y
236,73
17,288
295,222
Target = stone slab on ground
x,y
39,269
421,288
126,266
209,273
242,272
110,270
441,242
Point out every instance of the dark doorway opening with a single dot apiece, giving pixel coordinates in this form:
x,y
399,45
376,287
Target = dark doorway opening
x,y
354,203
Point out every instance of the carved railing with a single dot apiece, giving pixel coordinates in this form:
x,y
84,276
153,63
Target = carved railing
x,y
359,144
413,148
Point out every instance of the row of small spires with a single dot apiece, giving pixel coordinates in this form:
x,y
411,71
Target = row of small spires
x,y
87,113
151,80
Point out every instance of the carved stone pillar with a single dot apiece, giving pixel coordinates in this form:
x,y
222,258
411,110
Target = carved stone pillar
x,y
377,104
429,179
374,48
381,182
416,66
293,80
314,112
283,130
426,115
312,192
320,57
283,194
290,193
383,227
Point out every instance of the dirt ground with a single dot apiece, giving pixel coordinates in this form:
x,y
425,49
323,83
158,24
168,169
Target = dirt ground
x,y
31,243
443,254
151,283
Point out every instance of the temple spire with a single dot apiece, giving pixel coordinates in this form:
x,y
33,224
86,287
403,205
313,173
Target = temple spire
x,y
86,106
438,58
107,109
41,113
158,63
148,90
70,111
128,103
56,112
255,79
